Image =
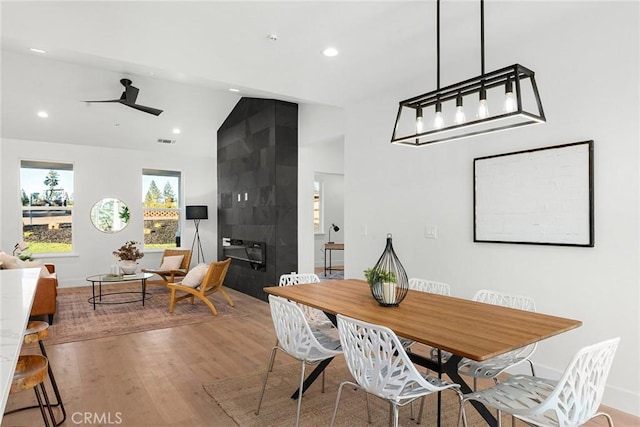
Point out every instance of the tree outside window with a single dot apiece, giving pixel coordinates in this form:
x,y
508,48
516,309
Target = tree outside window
x,y
161,209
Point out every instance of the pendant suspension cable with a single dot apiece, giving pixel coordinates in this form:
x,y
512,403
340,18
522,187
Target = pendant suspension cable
x,y
482,37
438,43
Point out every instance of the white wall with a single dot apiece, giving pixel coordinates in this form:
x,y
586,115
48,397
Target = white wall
x,y
587,71
106,172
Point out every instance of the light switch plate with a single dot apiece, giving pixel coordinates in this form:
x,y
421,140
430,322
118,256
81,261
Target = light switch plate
x,y
430,232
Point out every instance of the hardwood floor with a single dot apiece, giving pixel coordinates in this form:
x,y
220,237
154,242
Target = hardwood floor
x,y
155,378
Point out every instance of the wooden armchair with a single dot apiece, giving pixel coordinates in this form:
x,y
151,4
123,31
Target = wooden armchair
x,y
211,283
169,275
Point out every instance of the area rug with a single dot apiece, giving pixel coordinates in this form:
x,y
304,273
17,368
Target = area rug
x,y
76,320
331,275
238,397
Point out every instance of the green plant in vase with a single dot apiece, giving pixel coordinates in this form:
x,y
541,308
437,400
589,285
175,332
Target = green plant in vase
x,y
383,283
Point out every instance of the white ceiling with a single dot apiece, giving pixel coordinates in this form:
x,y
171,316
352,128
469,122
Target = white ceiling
x,y
184,56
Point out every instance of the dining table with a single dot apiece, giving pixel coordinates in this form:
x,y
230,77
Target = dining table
x,y
461,327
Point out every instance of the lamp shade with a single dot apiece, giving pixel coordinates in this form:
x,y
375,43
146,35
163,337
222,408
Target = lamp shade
x,y
197,212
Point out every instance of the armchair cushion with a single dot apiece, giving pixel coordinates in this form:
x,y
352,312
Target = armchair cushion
x,y
9,262
194,278
171,262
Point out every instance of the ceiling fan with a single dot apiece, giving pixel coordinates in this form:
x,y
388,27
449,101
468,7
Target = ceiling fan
x,y
129,97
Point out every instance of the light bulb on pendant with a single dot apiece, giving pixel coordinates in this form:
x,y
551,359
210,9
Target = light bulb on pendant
x,y
483,108
438,121
460,116
510,103
419,122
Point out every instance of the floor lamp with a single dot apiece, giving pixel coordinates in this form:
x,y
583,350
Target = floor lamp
x,y
196,213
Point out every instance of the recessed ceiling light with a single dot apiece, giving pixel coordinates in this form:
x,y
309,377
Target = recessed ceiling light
x,y
43,114
33,49
233,89
176,131
330,51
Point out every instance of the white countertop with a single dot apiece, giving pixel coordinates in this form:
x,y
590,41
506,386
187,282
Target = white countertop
x,y
17,288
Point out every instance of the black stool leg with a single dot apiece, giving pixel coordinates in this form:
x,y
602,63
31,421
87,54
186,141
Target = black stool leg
x,y
56,391
46,399
40,405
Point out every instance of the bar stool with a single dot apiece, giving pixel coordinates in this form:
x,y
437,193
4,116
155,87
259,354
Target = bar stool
x,y
38,331
30,372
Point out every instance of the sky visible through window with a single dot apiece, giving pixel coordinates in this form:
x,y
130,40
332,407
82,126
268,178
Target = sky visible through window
x,y
32,180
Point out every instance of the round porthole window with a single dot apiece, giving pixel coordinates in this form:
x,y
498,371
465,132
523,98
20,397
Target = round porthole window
x,y
110,215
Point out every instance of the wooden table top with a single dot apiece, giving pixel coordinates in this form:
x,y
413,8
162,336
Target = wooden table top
x,y
334,246
463,327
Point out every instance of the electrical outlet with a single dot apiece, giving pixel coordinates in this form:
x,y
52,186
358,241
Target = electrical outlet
x,y
430,232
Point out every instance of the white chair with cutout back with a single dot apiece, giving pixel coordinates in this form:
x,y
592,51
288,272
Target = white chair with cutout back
x,y
429,286
380,366
493,367
296,339
569,402
317,319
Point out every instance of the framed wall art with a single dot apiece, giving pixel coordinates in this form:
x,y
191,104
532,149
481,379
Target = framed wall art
x,y
542,196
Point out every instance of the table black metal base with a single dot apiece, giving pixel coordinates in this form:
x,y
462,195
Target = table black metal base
x,y
312,377
450,368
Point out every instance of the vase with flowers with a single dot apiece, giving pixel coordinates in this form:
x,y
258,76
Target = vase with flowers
x,y
128,255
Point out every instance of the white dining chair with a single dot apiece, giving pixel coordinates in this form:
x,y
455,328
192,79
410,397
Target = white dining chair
x,y
296,339
380,366
317,319
432,287
569,402
493,367
429,286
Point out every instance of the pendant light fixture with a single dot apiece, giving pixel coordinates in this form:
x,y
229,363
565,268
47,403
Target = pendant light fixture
x,y
502,99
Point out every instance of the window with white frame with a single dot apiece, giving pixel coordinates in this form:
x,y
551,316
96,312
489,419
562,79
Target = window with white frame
x,y
161,203
46,193
317,207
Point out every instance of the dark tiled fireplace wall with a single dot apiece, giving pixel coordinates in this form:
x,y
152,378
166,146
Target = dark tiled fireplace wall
x,y
258,156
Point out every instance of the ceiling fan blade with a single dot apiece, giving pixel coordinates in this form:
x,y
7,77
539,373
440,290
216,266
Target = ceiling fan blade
x,y
146,109
130,94
109,100
129,97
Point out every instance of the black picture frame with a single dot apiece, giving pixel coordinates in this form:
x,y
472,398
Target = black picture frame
x,y
542,196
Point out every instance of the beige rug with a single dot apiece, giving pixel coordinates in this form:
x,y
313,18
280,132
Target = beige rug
x,y
238,397
76,320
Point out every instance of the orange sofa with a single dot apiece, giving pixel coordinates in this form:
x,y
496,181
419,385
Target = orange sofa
x,y
44,302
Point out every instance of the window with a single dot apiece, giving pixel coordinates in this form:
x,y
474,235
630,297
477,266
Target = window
x,y
317,207
47,206
161,204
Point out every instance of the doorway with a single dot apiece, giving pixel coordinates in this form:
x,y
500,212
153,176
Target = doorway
x,y
328,222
